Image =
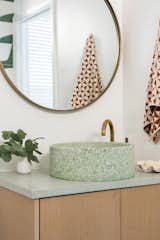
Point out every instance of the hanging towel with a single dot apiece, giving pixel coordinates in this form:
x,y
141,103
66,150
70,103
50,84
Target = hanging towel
x,y
152,109
89,86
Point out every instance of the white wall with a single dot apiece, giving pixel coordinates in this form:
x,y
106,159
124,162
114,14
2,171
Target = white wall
x,y
140,18
82,125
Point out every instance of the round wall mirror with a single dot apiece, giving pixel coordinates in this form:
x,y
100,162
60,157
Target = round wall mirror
x,y
59,55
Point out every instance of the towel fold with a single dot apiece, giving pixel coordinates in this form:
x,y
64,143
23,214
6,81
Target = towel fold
x,y
88,87
152,109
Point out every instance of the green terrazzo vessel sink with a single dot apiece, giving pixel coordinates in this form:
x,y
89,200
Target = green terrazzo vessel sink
x,y
92,161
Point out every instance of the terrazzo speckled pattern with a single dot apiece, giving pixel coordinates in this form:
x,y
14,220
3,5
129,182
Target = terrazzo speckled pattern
x,y
39,184
92,161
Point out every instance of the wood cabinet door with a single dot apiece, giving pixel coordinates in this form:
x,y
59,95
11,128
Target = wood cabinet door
x,y
140,213
93,216
19,217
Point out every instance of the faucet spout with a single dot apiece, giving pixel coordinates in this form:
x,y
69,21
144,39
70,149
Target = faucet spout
x,y
104,127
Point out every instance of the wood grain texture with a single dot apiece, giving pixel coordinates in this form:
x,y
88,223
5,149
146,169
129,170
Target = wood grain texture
x,y
19,217
140,213
93,216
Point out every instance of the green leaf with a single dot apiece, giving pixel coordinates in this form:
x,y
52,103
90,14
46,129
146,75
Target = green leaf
x,y
35,145
2,149
38,152
7,134
6,157
8,143
17,149
15,137
35,159
29,146
21,134
18,136
7,148
29,156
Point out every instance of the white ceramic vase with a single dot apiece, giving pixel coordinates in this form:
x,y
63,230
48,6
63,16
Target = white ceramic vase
x,y
23,166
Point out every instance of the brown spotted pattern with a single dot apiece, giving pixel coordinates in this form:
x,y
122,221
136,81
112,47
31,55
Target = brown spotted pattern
x,y
152,109
89,86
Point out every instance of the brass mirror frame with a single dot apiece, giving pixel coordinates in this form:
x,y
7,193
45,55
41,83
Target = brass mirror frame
x,y
13,86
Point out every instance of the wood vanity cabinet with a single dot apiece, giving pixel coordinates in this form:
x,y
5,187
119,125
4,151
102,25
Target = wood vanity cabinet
x,y
140,213
93,216
19,217
127,214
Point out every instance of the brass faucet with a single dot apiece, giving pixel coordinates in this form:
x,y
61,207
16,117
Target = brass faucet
x,y
104,126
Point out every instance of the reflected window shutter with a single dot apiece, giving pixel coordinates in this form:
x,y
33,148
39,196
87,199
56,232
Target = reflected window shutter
x,y
37,55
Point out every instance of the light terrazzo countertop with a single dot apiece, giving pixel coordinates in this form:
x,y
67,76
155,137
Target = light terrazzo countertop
x,y
40,185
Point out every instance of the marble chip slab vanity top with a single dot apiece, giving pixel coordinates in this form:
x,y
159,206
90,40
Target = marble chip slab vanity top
x,y
40,185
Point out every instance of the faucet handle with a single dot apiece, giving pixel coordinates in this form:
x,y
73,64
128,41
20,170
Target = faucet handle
x,y
126,140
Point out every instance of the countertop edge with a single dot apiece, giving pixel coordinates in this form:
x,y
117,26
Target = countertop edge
x,y
64,188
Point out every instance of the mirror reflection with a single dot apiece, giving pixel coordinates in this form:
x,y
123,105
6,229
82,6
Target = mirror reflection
x,y
64,53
